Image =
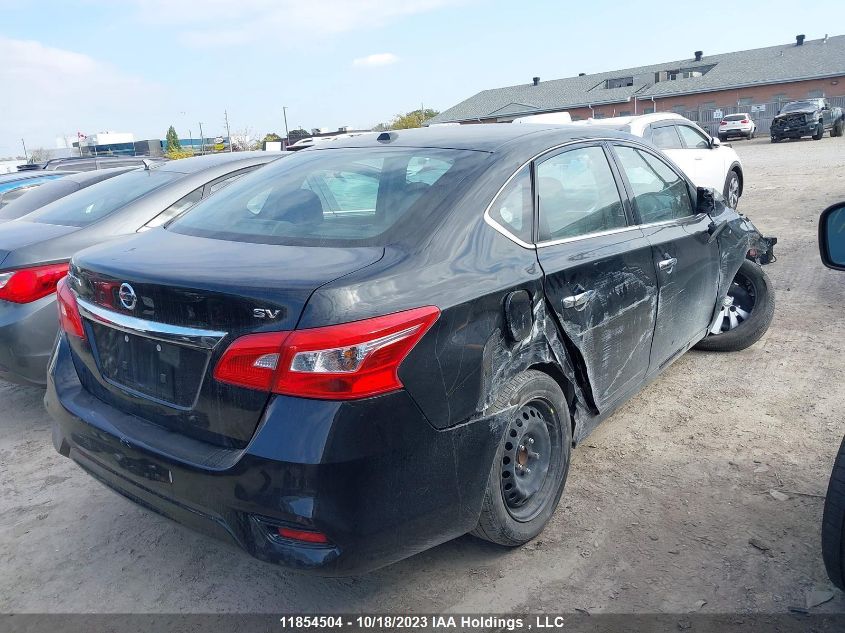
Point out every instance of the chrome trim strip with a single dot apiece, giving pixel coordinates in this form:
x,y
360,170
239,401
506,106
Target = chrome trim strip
x,y
191,337
586,236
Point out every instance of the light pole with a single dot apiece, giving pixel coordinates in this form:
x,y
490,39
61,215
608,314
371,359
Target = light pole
x,y
26,157
285,114
202,140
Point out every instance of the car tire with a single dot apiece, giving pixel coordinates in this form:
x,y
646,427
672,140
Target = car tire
x,y
751,292
751,134
836,130
518,503
833,522
722,138
819,132
775,139
731,190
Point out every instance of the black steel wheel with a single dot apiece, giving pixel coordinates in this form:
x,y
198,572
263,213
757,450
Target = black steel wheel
x,y
531,462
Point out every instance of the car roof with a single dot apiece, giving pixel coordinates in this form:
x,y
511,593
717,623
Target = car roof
x,y
84,178
197,164
37,173
482,137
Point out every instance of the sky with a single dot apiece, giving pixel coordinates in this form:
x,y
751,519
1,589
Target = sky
x,y
139,66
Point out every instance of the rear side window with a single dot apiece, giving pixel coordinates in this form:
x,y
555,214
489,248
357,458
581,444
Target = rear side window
x,y
693,139
97,201
659,193
666,137
578,195
339,196
513,208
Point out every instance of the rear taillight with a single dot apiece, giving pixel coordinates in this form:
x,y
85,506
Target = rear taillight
x,y
69,317
303,536
29,284
744,121
337,362
723,123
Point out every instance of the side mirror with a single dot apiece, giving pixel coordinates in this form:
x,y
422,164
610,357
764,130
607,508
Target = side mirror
x,y
705,200
832,236
714,142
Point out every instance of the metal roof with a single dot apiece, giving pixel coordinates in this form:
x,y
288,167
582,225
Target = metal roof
x,y
774,64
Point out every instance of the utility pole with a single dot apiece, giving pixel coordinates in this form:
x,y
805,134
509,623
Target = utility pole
x,y
228,133
202,140
285,114
191,139
25,155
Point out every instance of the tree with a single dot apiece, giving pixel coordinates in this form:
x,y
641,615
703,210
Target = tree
x,y
296,135
414,118
272,137
172,140
381,127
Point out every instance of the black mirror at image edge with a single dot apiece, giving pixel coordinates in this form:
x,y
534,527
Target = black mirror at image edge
x,y
832,236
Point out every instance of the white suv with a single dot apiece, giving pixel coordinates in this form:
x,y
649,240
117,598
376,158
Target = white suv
x,y
704,159
739,124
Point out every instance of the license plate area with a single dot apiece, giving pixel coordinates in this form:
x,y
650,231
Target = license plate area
x,y
166,372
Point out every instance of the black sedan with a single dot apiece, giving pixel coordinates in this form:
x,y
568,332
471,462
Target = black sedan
x,y
362,351
35,249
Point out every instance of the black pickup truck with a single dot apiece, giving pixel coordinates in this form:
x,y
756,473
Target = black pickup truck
x,y
809,117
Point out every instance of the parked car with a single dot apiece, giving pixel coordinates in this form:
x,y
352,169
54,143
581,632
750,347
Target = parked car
x,y
55,189
35,249
737,125
367,349
832,247
704,159
91,163
809,117
14,185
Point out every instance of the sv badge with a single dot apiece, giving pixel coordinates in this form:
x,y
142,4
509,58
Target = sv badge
x,y
265,313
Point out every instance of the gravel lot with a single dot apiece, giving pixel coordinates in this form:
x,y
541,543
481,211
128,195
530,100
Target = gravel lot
x,y
660,507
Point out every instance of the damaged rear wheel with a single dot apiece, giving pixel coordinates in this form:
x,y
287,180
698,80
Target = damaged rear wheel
x,y
531,463
745,314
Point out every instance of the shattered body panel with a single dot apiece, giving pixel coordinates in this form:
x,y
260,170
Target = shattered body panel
x,y
388,476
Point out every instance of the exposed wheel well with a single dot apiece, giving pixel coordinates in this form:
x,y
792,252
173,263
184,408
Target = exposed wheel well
x,y
552,370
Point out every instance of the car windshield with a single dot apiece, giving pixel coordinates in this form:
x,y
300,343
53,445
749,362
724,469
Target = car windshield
x,y
97,201
799,105
339,197
735,117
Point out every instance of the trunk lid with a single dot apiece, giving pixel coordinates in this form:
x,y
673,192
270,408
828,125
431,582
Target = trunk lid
x,y
160,308
18,234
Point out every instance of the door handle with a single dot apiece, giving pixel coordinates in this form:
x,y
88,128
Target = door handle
x,y
668,265
579,301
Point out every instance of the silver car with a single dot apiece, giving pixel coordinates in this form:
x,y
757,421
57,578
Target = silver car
x,y
35,249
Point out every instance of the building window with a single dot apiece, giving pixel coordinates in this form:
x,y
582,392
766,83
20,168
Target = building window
x,y
619,82
648,111
708,105
745,101
815,94
599,115
625,113
679,109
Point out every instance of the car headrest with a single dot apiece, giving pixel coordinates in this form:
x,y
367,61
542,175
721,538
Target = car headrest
x,y
299,206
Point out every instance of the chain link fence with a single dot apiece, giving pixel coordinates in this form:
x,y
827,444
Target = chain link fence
x,y
708,118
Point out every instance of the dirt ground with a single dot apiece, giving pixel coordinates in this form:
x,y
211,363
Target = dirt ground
x,y
658,514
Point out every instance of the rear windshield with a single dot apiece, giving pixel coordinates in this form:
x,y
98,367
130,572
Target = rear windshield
x,y
97,201
736,117
338,197
799,105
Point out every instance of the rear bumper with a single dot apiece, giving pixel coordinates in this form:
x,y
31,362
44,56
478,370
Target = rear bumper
x,y
374,475
736,132
27,334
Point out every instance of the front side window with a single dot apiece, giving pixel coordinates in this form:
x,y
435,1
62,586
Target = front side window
x,y
339,197
666,137
659,193
692,138
513,208
578,195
